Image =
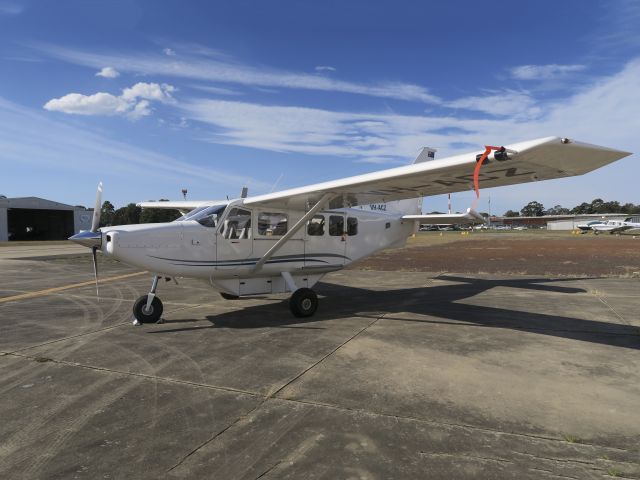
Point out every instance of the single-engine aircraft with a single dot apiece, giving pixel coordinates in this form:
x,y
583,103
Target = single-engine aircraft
x,y
288,240
616,226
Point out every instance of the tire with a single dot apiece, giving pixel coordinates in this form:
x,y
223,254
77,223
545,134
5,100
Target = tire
x,y
303,302
228,296
153,315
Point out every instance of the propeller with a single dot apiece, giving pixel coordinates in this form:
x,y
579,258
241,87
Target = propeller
x,y
97,210
93,238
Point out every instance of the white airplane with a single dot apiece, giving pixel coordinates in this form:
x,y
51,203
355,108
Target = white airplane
x,y
587,227
616,226
288,240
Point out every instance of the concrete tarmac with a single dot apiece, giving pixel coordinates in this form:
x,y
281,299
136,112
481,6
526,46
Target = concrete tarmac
x,y
398,375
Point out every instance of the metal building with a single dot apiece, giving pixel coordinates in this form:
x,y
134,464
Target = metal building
x,y
33,218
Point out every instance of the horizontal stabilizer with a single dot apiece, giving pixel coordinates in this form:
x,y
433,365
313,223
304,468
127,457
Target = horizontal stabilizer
x,y
182,206
471,216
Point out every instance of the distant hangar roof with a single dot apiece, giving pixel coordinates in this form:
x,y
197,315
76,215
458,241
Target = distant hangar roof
x,y
36,203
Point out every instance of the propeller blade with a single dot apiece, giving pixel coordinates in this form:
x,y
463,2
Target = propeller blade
x,y
95,223
95,269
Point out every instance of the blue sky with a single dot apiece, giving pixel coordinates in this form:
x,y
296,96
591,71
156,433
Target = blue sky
x,y
151,97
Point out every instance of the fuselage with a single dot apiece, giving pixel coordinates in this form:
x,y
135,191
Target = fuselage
x,y
224,250
614,226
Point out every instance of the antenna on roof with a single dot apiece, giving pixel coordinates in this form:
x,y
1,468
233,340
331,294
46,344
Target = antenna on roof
x,y
245,192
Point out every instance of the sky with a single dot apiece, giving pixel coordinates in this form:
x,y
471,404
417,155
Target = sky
x,y
151,97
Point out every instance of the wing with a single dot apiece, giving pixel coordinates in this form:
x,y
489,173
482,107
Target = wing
x,y
541,159
471,216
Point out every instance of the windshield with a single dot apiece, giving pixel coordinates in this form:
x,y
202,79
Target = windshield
x,y
206,216
191,213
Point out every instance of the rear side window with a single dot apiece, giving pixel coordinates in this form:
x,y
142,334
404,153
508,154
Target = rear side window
x,y
336,225
352,226
272,223
316,226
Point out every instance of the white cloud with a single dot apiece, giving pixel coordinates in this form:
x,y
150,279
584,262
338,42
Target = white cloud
x,y
149,91
604,113
169,52
506,103
97,104
216,90
134,101
31,139
225,70
325,68
544,72
108,72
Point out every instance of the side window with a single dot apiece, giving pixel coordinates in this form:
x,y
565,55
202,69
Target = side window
x,y
352,226
316,226
270,223
237,225
336,225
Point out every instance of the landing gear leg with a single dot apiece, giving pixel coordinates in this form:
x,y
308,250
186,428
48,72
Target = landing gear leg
x,y
148,308
304,301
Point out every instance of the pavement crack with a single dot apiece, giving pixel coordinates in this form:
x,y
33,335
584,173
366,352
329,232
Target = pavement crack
x,y
554,474
268,470
216,435
466,456
558,460
352,337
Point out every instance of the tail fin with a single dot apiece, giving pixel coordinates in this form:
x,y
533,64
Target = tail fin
x,y
412,206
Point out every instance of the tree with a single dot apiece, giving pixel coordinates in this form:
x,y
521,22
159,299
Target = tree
x,y
630,208
557,210
127,215
532,209
157,215
583,208
106,214
511,213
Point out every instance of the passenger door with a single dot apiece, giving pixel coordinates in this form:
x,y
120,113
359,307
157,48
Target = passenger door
x,y
235,242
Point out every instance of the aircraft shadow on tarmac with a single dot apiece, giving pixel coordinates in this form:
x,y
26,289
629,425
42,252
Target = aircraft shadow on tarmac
x,y
438,302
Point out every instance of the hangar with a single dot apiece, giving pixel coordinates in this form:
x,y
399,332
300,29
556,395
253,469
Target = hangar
x,y
33,218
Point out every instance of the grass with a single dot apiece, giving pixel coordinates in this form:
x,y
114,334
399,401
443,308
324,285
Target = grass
x,y
571,438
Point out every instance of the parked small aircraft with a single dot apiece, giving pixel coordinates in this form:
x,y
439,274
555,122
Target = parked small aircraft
x,y
616,226
288,240
588,227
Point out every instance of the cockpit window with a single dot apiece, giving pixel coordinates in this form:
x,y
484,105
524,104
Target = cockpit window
x,y
207,216
191,213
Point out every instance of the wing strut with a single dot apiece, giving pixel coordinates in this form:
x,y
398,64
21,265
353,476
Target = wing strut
x,y
292,231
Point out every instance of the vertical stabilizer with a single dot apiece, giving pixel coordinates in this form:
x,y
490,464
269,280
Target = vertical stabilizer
x,y
412,206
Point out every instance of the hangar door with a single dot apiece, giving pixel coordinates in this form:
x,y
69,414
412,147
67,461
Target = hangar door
x,y
38,224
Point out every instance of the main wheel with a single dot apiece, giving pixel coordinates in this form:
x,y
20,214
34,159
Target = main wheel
x,y
303,302
152,315
228,296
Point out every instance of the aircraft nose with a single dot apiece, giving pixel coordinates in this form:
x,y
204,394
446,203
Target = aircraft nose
x,y
87,239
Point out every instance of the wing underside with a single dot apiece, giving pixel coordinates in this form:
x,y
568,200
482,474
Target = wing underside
x,y
535,160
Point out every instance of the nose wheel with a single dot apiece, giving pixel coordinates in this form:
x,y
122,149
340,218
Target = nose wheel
x,y
148,308
144,314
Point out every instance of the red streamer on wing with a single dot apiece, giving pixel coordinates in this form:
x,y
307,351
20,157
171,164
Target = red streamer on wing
x,y
476,172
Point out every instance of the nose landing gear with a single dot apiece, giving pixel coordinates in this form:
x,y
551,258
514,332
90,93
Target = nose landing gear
x,y
148,308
